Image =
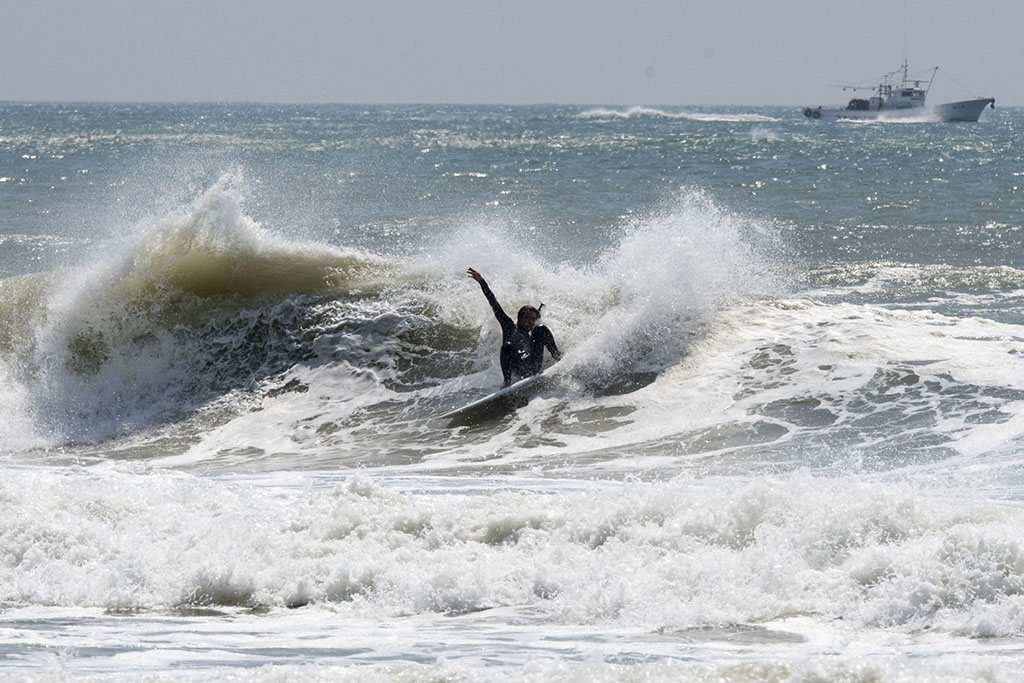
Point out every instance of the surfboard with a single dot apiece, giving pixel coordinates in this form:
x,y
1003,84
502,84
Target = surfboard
x,y
501,401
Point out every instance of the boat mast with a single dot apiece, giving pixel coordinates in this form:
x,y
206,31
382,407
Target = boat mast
x,y
931,80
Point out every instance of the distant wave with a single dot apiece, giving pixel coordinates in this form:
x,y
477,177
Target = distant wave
x,y
640,112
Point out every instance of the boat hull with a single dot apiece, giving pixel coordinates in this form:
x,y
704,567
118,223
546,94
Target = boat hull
x,y
965,110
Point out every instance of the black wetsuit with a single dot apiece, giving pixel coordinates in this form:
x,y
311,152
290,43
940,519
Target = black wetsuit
x,y
522,353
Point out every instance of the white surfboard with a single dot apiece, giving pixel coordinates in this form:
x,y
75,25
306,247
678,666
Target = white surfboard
x,y
499,401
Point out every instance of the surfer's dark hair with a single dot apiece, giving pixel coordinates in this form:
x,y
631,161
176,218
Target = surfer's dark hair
x,y
526,309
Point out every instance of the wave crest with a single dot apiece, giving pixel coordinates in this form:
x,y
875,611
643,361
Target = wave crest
x,y
214,249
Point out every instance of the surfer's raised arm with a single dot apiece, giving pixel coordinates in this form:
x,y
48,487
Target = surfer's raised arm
x,y
499,312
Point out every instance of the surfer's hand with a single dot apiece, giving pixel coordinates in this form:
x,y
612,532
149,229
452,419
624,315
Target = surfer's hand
x,y
475,275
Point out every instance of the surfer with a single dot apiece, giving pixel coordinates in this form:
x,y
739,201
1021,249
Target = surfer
x,y
523,341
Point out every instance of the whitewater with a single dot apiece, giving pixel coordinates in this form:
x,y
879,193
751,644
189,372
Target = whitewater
x,y
784,443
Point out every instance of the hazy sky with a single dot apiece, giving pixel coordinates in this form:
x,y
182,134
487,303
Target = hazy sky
x,y
637,52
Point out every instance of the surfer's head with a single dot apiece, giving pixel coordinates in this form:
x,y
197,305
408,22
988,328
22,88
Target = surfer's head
x,y
527,318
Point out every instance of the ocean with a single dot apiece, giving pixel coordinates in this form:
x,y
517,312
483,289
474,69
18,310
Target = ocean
x,y
785,442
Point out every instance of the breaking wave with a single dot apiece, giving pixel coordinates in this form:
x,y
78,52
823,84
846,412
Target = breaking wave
x,y
205,316
653,112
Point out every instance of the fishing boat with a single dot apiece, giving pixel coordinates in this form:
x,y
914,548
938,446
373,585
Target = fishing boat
x,y
902,99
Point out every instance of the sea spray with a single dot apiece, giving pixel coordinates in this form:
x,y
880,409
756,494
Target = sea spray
x,y
640,304
671,270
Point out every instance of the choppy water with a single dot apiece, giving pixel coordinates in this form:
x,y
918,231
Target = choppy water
x,y
784,443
